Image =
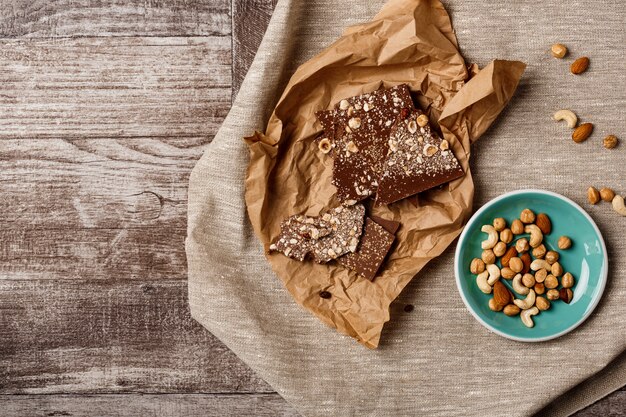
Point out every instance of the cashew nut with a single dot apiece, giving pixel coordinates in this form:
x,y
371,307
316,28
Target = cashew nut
x,y
618,205
536,235
518,287
538,264
494,273
527,302
526,316
568,116
481,281
492,239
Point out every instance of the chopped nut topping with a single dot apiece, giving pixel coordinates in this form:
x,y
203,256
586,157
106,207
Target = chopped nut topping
x,y
430,150
354,123
412,126
444,145
393,145
422,120
351,147
324,145
344,104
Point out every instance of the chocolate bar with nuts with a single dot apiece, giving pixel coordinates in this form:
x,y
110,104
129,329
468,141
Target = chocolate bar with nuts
x,y
417,160
377,239
358,138
325,237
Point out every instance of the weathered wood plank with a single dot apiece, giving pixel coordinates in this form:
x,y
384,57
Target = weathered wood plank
x,y
133,405
84,336
43,18
114,87
96,183
246,36
613,405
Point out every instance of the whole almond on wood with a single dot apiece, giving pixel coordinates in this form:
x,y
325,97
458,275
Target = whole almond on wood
x,y
543,222
580,65
582,132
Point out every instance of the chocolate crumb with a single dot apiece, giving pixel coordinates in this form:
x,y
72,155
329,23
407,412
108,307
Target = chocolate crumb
x,y
325,294
408,308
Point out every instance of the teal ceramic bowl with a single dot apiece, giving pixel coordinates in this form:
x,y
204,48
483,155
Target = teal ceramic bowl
x,y
586,260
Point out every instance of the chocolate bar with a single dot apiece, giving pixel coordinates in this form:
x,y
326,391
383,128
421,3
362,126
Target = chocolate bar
x,y
417,160
377,239
359,138
325,237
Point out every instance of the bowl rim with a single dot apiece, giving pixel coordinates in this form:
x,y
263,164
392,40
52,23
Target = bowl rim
x,y
457,266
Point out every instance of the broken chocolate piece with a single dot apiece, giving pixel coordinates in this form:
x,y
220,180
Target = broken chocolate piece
x,y
326,237
360,132
372,251
418,159
391,226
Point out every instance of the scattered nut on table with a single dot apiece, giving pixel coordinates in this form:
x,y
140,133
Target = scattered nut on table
x,y
579,66
558,50
610,141
618,205
567,115
607,194
593,195
582,132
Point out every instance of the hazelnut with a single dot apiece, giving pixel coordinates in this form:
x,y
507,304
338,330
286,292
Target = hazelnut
x,y
507,273
557,269
499,224
551,282
593,195
552,295
552,257
542,303
566,295
567,281
558,50
511,310
324,145
495,306
499,249
488,256
522,245
422,120
506,236
344,104
606,194
610,142
528,280
564,242
517,227
527,216
477,266
516,264
540,276
539,288
540,251
351,147
354,123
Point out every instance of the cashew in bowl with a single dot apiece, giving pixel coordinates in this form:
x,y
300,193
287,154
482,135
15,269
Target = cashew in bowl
x,y
492,239
538,264
494,274
536,235
526,316
518,287
481,282
528,302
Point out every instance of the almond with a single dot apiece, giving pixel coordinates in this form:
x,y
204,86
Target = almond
x,y
580,65
526,260
510,253
543,222
582,132
501,295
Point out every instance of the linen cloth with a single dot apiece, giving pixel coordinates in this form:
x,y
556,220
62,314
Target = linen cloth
x,y
436,360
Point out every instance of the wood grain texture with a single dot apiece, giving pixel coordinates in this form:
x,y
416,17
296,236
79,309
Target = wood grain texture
x,y
76,335
96,183
133,405
70,18
114,87
246,36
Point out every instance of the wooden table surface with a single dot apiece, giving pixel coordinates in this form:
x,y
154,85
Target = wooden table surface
x,y
105,106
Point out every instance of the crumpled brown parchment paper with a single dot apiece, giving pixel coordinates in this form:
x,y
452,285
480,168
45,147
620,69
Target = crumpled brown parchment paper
x,y
408,42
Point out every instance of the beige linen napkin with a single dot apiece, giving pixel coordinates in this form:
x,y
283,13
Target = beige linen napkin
x,y
436,360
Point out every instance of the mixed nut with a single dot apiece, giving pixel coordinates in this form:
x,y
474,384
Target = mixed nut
x,y
532,268
606,194
582,132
